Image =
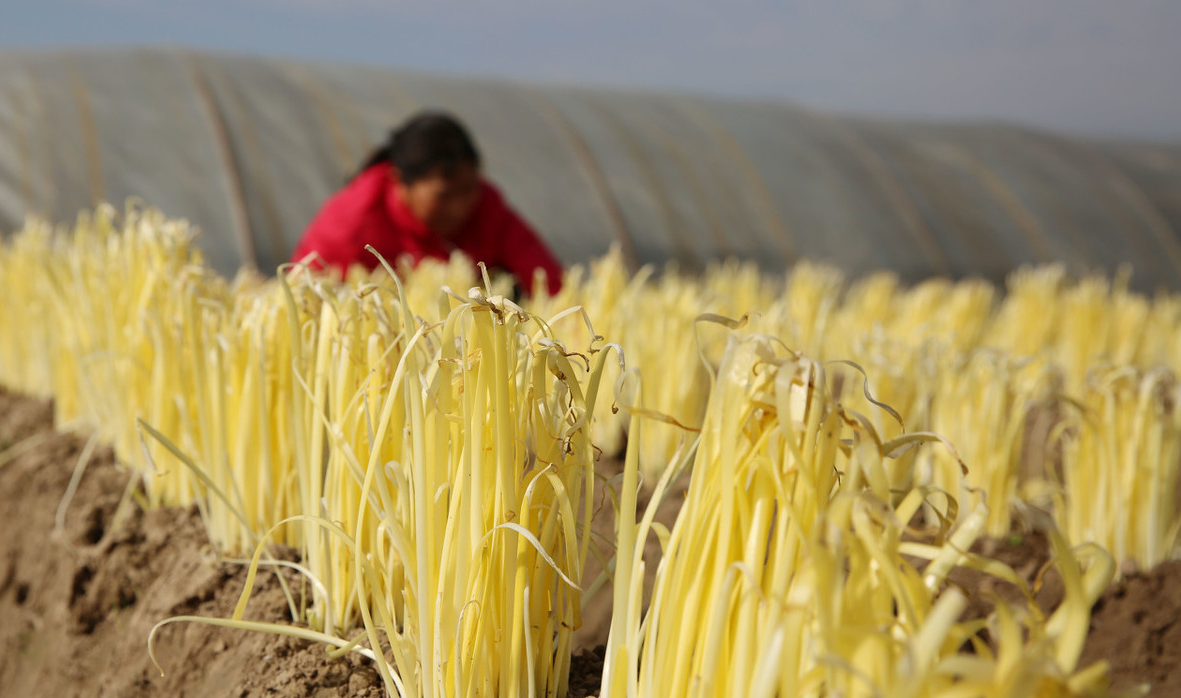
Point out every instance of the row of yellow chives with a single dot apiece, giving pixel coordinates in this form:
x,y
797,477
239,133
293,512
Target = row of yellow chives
x,y
453,495
1117,483
435,476
813,313
955,357
185,290
460,503
785,572
117,322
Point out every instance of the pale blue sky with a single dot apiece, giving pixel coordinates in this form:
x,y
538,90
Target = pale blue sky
x,y
1098,67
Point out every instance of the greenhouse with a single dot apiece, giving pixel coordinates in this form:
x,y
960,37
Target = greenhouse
x,y
247,148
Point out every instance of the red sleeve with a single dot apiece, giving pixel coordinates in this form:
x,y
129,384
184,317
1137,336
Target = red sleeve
x,y
340,229
525,252
330,243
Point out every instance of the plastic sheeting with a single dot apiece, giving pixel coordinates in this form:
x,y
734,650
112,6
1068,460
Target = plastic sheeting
x,y
247,148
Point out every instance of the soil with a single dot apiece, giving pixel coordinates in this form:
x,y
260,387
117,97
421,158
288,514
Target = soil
x,y
77,604
1135,627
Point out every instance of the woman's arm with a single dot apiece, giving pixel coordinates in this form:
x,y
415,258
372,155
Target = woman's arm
x,y
525,252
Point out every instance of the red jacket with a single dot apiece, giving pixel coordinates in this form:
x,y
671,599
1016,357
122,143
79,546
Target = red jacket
x,y
368,212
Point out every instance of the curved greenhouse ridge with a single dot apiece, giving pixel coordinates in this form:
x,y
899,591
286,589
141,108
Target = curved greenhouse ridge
x,y
247,148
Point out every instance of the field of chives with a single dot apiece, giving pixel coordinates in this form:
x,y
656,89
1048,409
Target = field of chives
x,y
811,485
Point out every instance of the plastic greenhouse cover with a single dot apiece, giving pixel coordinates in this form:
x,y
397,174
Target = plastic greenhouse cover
x,y
247,148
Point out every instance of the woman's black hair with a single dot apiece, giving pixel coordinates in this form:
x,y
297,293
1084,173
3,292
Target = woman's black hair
x,y
425,142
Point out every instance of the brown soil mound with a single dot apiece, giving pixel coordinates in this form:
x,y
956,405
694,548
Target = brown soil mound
x,y
1136,627
76,605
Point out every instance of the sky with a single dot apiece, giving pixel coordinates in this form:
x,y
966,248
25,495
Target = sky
x,y
1094,67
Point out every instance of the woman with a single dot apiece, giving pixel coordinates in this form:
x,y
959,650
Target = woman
x,y
422,195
